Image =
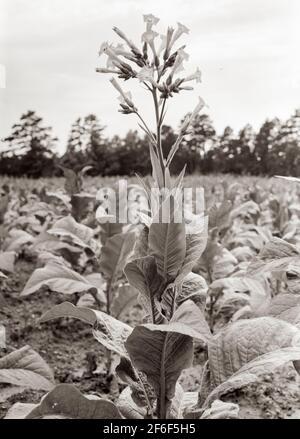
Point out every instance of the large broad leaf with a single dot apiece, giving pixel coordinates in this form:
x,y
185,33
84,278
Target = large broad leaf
x,y
26,368
110,332
58,278
283,306
47,242
163,351
194,287
161,356
221,410
115,253
195,246
254,290
250,372
7,261
142,394
142,274
19,410
167,241
243,341
114,257
126,296
127,406
16,240
66,402
276,255
69,229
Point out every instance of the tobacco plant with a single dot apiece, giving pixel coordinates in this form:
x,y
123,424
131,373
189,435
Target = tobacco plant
x,y
170,244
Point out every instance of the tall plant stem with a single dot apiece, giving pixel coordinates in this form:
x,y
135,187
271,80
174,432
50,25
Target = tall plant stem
x,y
158,135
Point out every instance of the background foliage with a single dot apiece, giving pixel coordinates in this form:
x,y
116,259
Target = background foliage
x,y
31,149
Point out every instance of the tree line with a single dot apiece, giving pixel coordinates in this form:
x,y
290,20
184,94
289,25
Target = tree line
x,y
30,149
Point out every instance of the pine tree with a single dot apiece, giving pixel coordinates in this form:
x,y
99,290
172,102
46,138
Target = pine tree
x,y
30,148
263,155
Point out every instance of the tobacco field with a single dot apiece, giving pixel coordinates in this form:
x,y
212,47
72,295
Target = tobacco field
x,y
241,299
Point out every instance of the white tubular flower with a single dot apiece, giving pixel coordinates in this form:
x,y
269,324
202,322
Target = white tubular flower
x,y
182,29
150,20
178,65
197,76
110,52
149,37
103,48
163,44
124,97
126,39
103,70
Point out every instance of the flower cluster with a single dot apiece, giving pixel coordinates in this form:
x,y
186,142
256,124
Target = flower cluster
x,y
158,63
155,64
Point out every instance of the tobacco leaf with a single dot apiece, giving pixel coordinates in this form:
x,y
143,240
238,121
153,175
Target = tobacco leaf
x,y
58,278
66,402
167,241
26,368
108,331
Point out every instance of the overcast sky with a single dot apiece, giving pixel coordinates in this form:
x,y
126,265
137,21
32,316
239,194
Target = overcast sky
x,y
248,51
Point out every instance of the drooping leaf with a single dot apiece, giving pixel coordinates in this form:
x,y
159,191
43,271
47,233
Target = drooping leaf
x,y
112,333
66,402
67,309
16,240
243,341
58,278
108,331
255,291
250,372
167,240
26,368
283,306
76,234
276,255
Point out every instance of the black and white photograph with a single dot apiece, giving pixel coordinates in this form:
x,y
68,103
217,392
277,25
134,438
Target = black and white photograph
x,y
149,213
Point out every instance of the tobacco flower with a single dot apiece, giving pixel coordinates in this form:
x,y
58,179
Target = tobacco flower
x,y
181,29
124,97
197,76
151,21
132,46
